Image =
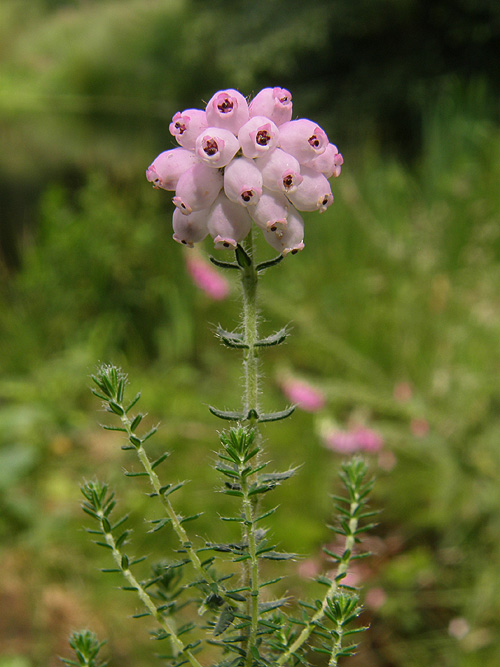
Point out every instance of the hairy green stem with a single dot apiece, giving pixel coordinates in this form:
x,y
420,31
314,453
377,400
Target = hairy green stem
x,y
342,568
250,335
337,647
169,510
249,279
144,597
252,568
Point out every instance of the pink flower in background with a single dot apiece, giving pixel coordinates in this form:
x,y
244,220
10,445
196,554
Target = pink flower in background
x,y
368,440
207,278
403,392
419,427
343,442
375,598
304,395
356,439
309,568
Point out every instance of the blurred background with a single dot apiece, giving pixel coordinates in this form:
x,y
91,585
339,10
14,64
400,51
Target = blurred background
x,y
394,305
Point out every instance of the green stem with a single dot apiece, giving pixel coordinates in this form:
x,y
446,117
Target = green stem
x,y
342,568
169,510
250,333
252,569
144,597
249,280
337,647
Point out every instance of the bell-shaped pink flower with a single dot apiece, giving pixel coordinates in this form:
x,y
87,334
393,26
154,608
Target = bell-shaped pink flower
x,y
303,139
289,239
227,109
274,103
197,188
243,181
189,229
216,146
271,211
228,223
258,137
186,126
280,171
313,194
328,163
165,170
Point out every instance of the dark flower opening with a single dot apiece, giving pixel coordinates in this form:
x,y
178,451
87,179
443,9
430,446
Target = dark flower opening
x,y
226,105
211,147
263,137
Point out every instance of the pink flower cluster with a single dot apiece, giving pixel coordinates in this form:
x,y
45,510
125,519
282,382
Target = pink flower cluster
x,y
239,162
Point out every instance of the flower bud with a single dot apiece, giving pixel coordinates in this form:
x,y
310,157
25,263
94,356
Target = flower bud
x,y
271,211
227,109
243,181
290,239
258,136
274,103
328,163
228,223
313,194
197,188
280,171
186,126
302,139
216,146
165,170
189,229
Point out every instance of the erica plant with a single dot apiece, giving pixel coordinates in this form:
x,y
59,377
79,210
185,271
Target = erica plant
x,y
209,602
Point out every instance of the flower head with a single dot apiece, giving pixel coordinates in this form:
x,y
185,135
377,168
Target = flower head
x,y
239,162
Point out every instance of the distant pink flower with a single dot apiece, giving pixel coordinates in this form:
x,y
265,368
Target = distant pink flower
x,y
386,460
344,442
352,579
375,598
308,568
419,427
368,439
355,439
206,278
304,395
403,392
458,628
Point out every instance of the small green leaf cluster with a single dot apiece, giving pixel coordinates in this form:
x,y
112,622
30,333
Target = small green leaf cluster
x,y
86,647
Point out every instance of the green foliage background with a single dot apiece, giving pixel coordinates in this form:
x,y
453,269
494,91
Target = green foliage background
x,y
398,283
